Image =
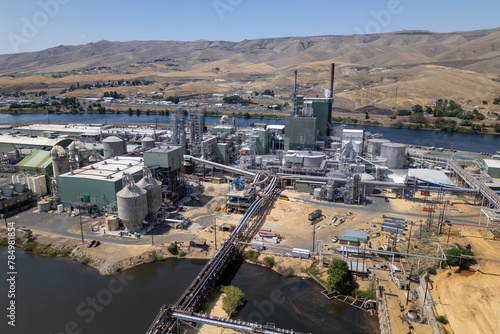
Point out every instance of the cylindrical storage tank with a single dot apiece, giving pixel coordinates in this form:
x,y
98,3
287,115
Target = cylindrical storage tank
x,y
7,190
132,206
395,154
317,193
114,146
147,143
43,206
19,187
335,146
329,193
186,168
381,161
258,160
153,195
113,223
60,208
375,145
369,188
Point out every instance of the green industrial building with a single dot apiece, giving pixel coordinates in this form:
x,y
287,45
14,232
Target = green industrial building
x,y
97,184
169,157
37,162
492,167
309,120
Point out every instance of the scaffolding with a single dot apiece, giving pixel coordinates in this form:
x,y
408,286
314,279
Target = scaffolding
x,y
177,123
195,124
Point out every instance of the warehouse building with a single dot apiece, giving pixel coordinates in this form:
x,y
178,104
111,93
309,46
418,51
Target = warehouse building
x,y
38,162
97,184
492,167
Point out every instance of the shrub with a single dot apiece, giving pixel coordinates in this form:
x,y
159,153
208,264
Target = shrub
x,y
285,271
173,248
456,260
442,319
182,253
251,256
269,261
233,299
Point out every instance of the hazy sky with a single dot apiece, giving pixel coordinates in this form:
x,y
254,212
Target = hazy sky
x,y
32,25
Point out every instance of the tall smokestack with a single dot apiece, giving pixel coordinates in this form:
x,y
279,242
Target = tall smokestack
x,y
331,80
295,83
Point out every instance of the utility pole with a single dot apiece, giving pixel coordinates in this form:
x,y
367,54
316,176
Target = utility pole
x,y
408,287
314,233
409,238
81,227
215,239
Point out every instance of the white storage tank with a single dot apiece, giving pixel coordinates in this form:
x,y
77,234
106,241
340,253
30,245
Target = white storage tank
x,y
43,206
19,187
7,190
147,143
318,193
375,145
153,194
329,193
395,154
132,207
114,146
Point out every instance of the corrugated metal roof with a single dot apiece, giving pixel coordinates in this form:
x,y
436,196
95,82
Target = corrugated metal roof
x,y
110,170
492,163
37,159
353,239
356,234
431,176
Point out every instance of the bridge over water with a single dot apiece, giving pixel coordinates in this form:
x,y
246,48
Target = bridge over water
x,y
247,228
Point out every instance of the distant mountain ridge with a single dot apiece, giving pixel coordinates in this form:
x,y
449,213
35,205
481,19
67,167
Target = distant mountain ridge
x,y
477,51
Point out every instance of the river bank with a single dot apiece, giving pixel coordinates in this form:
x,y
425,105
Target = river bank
x,y
107,259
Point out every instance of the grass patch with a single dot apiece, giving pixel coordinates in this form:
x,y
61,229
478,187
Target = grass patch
x,y
156,257
85,260
182,253
4,242
370,294
117,269
35,247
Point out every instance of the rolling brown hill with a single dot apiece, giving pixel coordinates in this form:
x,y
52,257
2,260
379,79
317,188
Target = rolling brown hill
x,y
422,65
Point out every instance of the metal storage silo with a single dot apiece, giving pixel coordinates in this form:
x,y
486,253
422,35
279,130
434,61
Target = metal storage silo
x,y
147,143
114,146
375,145
153,193
132,206
368,189
186,167
395,154
329,193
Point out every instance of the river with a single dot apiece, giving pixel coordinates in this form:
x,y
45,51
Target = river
x,y
460,141
58,295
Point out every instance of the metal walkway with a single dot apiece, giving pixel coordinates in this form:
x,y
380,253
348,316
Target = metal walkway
x,y
489,194
249,225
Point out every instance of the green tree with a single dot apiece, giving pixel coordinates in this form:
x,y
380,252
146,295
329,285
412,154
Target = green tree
x,y
233,299
454,261
417,109
339,279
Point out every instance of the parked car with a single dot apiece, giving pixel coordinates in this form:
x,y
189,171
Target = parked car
x,y
335,239
386,199
97,243
91,243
